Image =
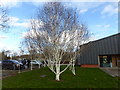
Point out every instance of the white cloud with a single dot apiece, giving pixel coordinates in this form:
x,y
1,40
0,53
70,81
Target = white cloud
x,y
14,19
98,25
106,26
10,3
24,24
83,11
110,10
16,22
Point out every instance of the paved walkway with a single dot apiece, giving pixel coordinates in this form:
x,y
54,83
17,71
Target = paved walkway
x,y
114,71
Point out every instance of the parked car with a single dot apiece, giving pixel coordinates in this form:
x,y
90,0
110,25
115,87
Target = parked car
x,y
11,64
36,62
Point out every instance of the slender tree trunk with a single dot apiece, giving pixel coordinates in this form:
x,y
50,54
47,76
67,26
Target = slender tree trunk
x,y
73,67
31,66
57,77
70,67
57,71
73,64
44,64
73,70
39,65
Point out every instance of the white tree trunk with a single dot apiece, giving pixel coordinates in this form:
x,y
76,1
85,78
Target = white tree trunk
x,y
73,67
31,65
57,71
57,77
39,65
73,70
70,67
44,64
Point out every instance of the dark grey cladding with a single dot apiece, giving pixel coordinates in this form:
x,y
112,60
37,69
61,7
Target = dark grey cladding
x,y
106,46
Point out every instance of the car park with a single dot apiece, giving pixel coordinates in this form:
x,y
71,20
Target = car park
x,y
11,64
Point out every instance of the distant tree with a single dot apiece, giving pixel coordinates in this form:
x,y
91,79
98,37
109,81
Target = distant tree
x,y
7,52
3,18
56,33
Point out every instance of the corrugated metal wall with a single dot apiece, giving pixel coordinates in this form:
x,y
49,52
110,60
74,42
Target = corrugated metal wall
x,y
106,46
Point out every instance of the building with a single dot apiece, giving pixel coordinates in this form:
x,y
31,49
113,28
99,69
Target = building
x,y
101,53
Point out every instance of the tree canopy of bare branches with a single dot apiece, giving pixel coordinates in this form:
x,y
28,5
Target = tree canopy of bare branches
x,y
3,18
56,32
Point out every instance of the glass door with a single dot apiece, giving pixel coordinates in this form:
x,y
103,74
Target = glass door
x,y
105,61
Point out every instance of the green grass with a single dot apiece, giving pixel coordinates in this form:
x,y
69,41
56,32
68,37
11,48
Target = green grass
x,y
85,78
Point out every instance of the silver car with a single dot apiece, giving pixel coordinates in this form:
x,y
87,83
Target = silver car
x,y
36,62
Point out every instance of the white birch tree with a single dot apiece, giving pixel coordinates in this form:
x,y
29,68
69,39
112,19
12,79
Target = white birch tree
x,y
55,32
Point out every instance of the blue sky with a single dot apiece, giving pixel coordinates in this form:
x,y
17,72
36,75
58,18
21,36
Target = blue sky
x,y
101,18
